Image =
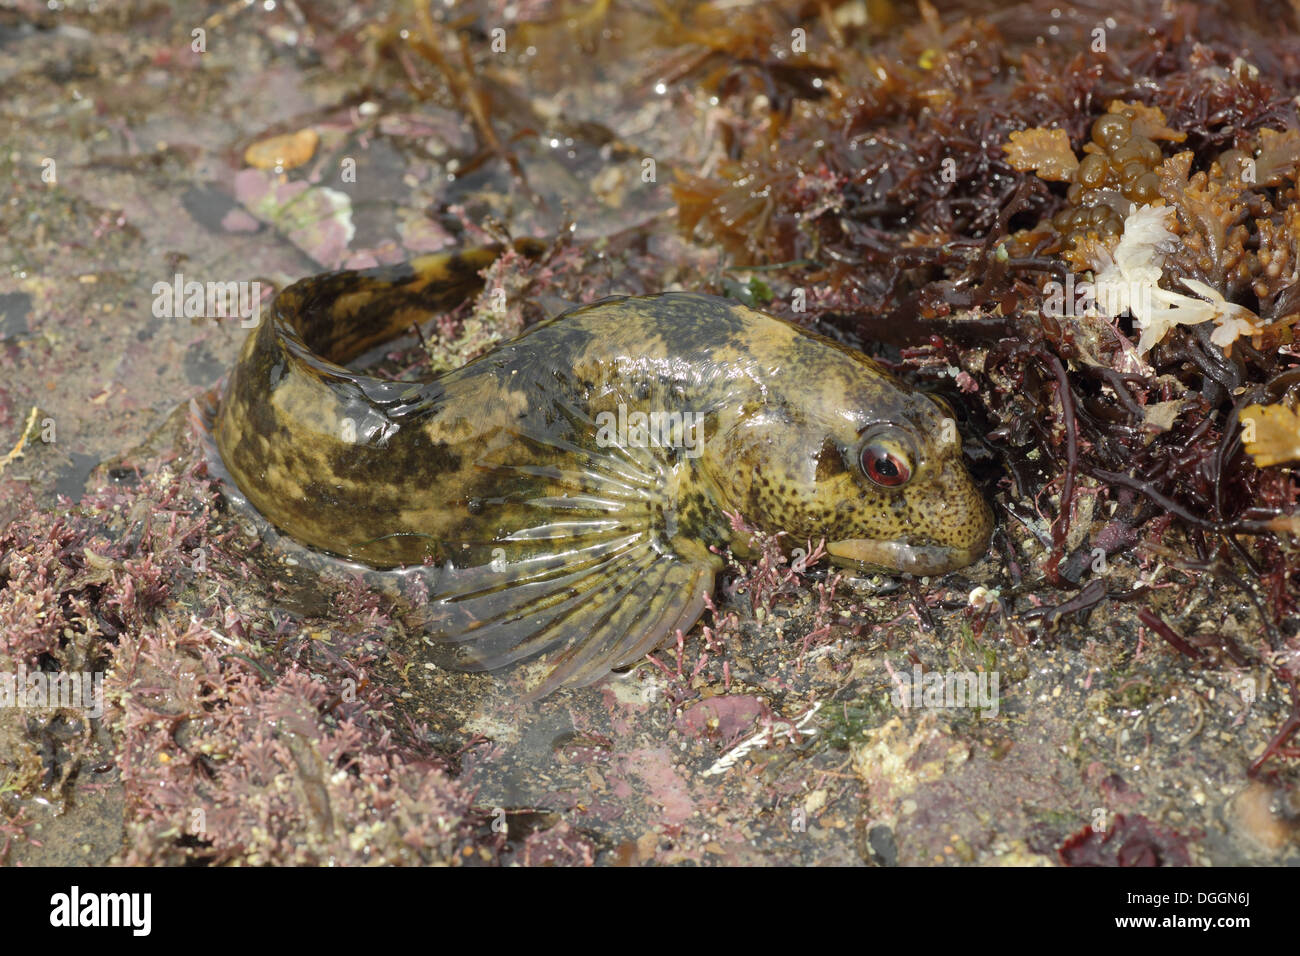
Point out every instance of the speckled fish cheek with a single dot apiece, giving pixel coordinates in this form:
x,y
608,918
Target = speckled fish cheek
x,y
965,520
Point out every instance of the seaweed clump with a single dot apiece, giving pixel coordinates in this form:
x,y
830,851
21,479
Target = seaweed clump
x,y
233,740
1117,170
1095,248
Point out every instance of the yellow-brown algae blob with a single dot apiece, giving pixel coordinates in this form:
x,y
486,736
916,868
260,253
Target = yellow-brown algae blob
x,y
571,486
287,151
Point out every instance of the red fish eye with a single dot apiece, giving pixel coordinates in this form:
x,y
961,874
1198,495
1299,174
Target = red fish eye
x,y
884,467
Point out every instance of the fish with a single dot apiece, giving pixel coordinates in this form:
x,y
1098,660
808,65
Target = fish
x,y
572,492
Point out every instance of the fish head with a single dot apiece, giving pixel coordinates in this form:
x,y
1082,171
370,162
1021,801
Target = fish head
x,y
850,456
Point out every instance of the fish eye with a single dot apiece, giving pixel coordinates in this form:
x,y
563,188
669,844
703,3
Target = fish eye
x,y
885,462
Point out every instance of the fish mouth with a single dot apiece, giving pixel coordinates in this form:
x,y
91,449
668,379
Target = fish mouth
x,y
899,557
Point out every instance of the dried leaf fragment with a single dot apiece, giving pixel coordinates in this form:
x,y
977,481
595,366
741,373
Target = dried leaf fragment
x,y
1279,155
1148,121
1271,434
1046,151
1161,415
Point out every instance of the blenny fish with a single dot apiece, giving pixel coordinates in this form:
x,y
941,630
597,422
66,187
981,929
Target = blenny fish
x,y
572,488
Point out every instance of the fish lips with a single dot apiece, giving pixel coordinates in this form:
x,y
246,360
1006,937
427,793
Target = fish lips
x,y
899,557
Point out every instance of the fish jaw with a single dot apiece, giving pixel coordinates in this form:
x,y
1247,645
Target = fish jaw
x,y
899,557
956,530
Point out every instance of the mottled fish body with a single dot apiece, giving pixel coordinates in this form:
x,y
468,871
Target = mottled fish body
x,y
572,483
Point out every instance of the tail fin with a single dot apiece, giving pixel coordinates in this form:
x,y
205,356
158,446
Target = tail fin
x,y
341,315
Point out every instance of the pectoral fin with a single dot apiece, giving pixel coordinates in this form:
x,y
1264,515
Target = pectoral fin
x,y
600,608
585,574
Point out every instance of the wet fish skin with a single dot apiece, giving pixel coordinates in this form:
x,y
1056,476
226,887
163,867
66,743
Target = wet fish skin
x,y
558,530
